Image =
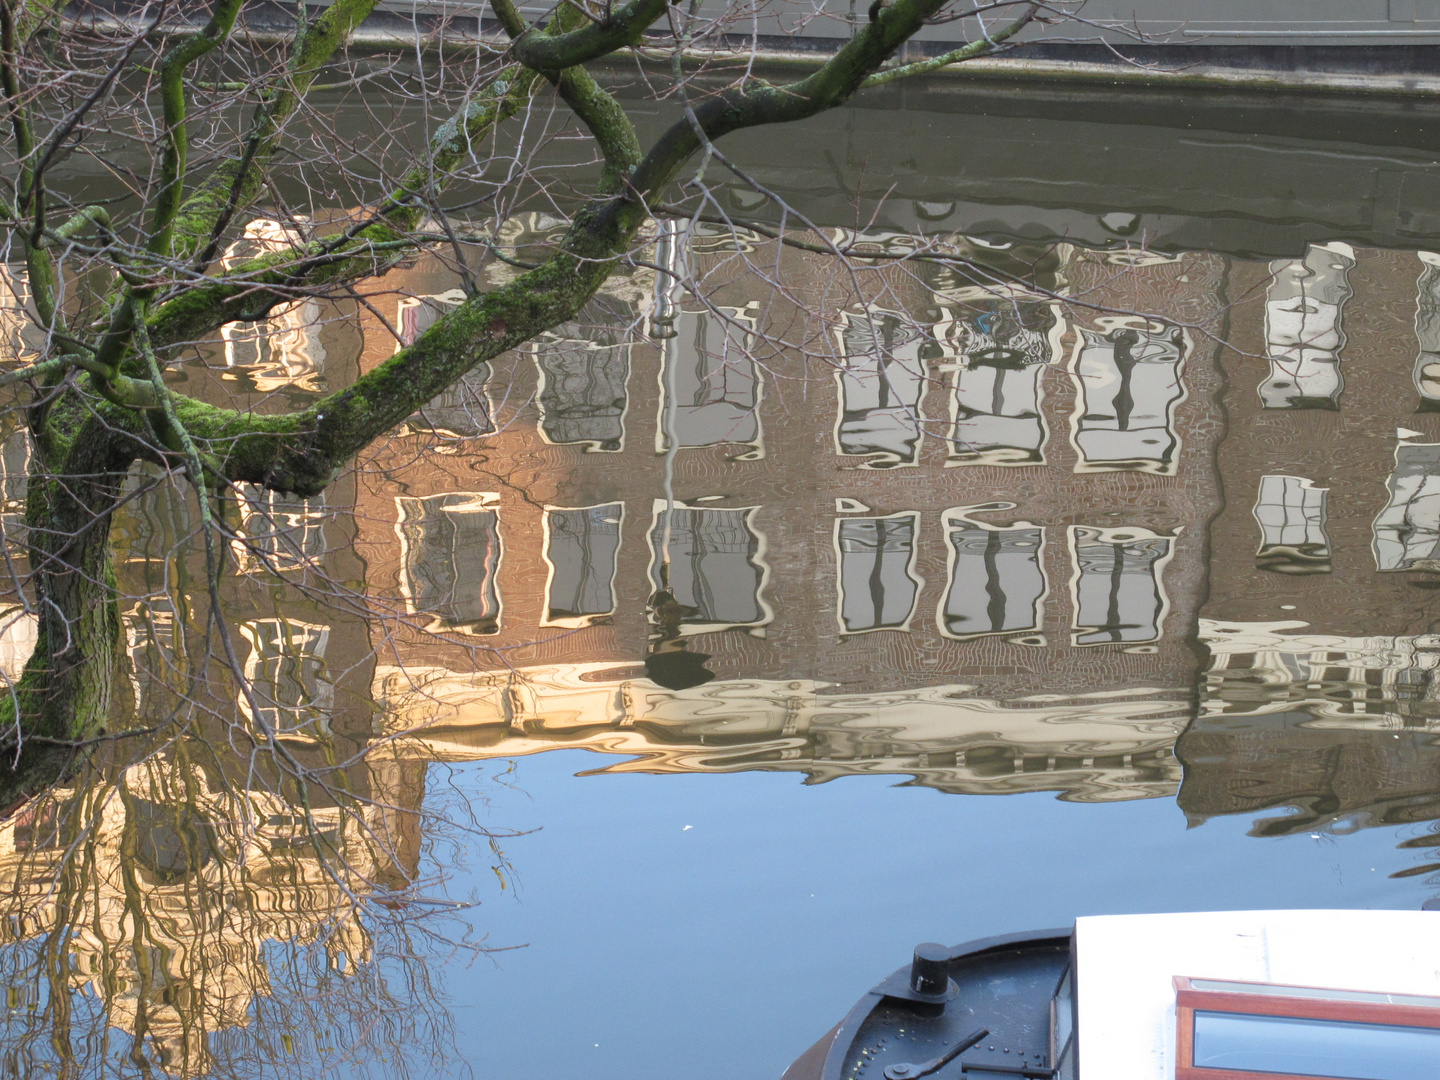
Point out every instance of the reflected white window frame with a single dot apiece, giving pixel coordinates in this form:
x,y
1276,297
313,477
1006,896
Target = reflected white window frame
x,y
313,640
732,321
913,574
959,517
1393,531
1288,496
588,619
15,322
263,544
1427,332
16,454
1122,534
948,332
1305,355
482,501
1088,343
450,298
879,460
289,334
762,547
624,349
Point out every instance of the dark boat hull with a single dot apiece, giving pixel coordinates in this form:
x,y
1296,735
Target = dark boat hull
x,y
1001,984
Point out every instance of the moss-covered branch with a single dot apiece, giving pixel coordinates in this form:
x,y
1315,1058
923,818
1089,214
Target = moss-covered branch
x,y
974,49
172,94
238,181
622,27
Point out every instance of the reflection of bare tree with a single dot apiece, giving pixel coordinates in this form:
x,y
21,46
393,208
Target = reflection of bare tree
x,y
154,905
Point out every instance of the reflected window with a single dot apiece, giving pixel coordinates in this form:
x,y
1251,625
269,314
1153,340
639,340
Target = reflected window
x,y
283,350
581,546
996,388
1303,333
461,411
1291,513
713,561
1407,530
1119,598
882,383
279,532
286,675
583,394
450,559
997,579
878,583
1130,380
1427,332
18,334
15,463
709,367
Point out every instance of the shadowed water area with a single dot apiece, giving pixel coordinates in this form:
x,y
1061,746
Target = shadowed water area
x,y
718,647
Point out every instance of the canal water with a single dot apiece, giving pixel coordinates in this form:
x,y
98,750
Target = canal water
x,y
1071,548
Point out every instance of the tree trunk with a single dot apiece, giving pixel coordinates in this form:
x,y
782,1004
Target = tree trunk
x,y
76,677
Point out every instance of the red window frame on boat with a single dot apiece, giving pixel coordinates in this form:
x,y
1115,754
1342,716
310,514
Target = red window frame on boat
x,y
1188,999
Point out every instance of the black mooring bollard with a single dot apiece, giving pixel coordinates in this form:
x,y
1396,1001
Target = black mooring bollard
x,y
930,969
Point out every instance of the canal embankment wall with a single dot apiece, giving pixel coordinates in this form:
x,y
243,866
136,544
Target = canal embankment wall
x,y
1388,47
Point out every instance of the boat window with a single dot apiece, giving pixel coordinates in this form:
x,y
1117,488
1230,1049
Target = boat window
x,y
1062,1027
1303,1046
1319,993
1229,1030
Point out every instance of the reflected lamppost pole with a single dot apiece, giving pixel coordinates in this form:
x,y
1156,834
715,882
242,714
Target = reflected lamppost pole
x,y
668,662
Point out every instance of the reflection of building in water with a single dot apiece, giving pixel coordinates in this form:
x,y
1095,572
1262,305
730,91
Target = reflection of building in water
x,y
1119,596
1094,748
1001,348
450,558
1129,379
290,692
279,532
1303,333
584,372
581,545
168,907
882,383
997,578
283,350
1291,513
1341,729
795,566
876,576
711,372
1427,332
463,411
1407,530
712,561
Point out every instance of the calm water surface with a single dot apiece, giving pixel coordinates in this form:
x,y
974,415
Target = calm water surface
x,y
770,636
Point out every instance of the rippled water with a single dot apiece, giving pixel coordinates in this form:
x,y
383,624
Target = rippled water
x,y
1123,545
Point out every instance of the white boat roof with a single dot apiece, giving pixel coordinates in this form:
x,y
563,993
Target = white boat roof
x,y
1125,965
